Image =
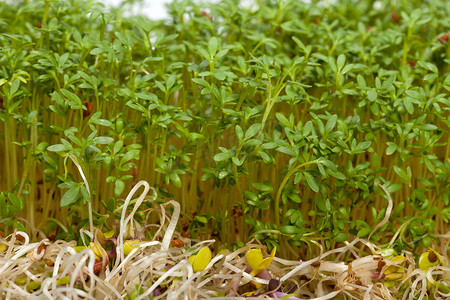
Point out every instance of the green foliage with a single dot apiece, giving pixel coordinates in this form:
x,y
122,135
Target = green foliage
x,y
278,123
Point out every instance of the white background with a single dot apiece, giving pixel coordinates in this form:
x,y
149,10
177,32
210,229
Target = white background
x,y
154,9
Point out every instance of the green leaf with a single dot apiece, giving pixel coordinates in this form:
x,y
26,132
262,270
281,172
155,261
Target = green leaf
x,y
340,237
428,127
283,120
31,116
307,128
102,122
252,130
393,188
361,82
263,187
14,200
287,151
119,187
331,123
147,96
428,66
364,232
222,156
175,179
14,86
391,148
311,182
103,140
340,63
85,194
56,148
239,132
70,196
213,46
372,95
132,154
290,230
236,161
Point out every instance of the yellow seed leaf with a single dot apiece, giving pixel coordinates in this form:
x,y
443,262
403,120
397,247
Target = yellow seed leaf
x,y
109,234
268,260
202,259
63,280
254,258
192,258
129,245
265,263
98,251
393,269
394,276
78,249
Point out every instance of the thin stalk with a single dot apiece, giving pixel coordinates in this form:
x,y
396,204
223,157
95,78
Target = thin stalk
x,y
283,183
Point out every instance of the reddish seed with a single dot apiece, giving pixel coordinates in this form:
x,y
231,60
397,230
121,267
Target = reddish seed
x,y
316,21
206,14
369,28
432,257
20,238
49,262
39,25
89,106
395,17
412,63
177,243
380,266
41,248
186,234
443,38
315,264
135,173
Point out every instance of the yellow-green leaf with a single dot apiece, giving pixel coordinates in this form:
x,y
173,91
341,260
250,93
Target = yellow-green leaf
x,y
63,280
34,285
427,260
